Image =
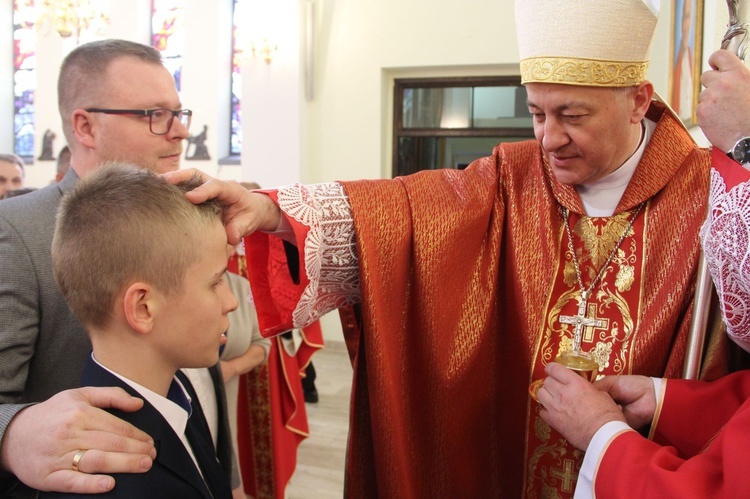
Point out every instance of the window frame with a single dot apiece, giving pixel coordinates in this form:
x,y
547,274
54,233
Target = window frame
x,y
399,132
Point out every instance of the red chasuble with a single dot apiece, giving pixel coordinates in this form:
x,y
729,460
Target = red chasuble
x,y
464,276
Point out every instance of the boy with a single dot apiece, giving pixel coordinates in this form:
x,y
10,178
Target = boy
x,y
143,270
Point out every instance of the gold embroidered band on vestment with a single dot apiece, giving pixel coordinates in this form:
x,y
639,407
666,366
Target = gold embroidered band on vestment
x,y
584,72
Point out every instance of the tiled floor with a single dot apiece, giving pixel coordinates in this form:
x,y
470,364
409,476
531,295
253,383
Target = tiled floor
x,y
320,458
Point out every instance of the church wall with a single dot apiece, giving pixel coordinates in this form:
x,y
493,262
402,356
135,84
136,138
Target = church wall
x,y
272,101
363,45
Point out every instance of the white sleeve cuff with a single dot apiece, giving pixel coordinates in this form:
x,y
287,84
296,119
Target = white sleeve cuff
x,y
585,485
657,388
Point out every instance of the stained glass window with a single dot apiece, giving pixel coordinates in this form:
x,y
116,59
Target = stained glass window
x,y
168,34
235,136
24,75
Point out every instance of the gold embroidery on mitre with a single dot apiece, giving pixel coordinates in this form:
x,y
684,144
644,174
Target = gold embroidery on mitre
x,y
587,72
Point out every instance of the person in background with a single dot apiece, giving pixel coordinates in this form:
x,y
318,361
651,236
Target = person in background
x,y
63,163
18,192
245,349
12,173
272,418
696,445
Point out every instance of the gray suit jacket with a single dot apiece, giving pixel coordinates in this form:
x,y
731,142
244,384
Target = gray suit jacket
x,y
43,347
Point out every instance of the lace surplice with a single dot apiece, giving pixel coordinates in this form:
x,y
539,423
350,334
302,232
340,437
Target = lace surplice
x,y
330,249
726,244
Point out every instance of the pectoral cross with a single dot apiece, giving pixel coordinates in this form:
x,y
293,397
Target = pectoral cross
x,y
580,321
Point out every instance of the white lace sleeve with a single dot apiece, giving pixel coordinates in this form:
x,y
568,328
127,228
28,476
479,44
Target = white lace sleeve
x,y
330,251
726,246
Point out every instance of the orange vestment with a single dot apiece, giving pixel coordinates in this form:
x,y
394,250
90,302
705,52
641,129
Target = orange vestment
x,y
463,277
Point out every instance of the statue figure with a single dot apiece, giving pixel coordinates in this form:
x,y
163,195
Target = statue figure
x,y
200,151
46,154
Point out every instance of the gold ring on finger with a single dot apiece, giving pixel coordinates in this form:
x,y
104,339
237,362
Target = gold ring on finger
x,y
77,458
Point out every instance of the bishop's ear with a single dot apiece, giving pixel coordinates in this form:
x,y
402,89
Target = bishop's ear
x,y
642,100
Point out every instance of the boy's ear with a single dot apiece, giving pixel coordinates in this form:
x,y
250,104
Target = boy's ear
x,y
140,304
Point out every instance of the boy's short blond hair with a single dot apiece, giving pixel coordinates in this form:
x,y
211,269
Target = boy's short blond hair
x,y
123,224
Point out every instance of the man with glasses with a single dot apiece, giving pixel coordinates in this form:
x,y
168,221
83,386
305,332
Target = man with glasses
x,y
159,120
117,103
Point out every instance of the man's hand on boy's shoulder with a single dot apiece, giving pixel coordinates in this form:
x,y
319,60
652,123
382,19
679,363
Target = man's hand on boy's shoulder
x,y
42,440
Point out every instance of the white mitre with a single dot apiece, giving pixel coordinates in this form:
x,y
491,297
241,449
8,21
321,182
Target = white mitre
x,y
602,43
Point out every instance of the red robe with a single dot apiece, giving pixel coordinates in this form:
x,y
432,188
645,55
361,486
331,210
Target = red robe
x,y
700,442
271,415
464,275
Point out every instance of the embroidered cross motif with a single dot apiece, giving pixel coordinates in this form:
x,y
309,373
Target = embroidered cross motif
x,y
567,475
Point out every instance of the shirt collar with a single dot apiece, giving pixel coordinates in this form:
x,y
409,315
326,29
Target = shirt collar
x,y
624,173
176,408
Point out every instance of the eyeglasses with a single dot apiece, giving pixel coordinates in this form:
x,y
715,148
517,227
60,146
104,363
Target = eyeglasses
x,y
159,120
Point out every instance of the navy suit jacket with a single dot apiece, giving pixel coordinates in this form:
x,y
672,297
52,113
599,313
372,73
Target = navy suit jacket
x,y
173,473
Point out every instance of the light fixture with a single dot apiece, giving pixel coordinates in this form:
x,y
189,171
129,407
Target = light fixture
x,y
73,17
266,50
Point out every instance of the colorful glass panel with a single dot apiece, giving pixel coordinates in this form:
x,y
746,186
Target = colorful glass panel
x,y
168,34
24,75
235,137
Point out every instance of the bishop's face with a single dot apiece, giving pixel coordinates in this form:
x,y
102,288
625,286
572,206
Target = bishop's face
x,y
586,133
